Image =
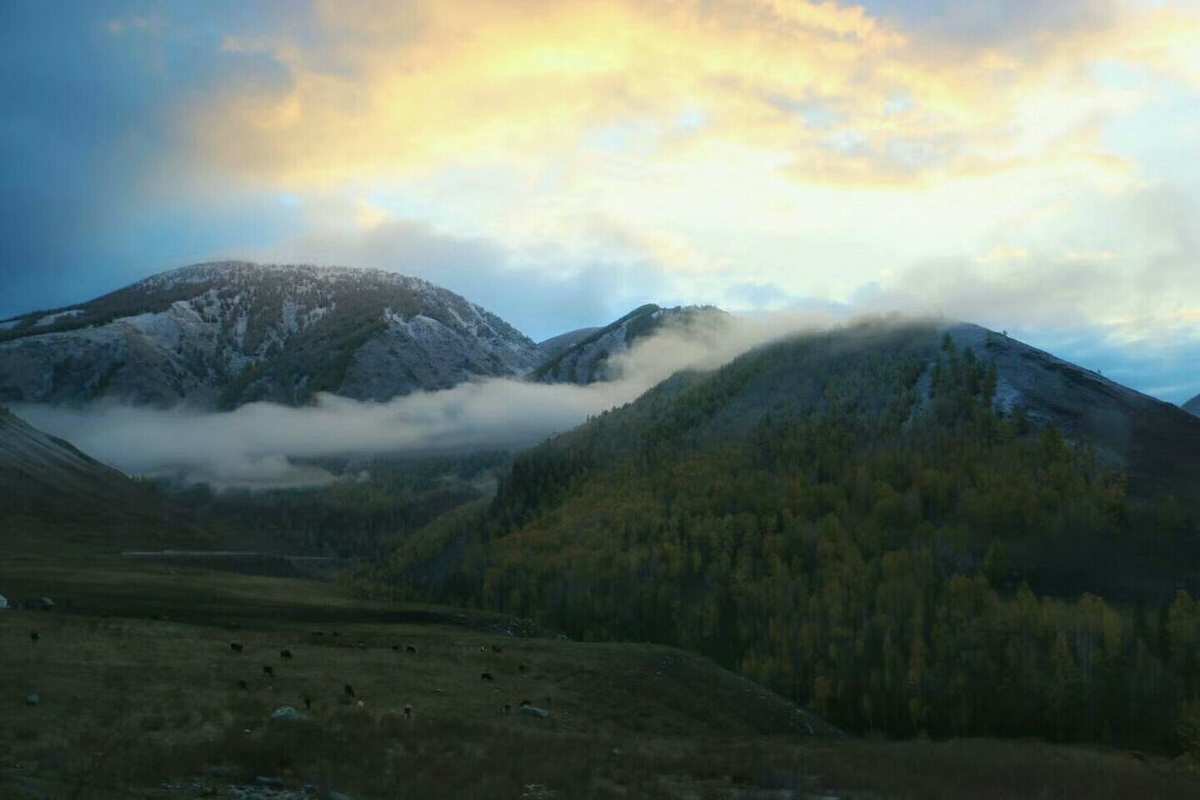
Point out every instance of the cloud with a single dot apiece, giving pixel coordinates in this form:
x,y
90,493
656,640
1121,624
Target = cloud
x,y
262,445
470,83
543,288
963,24
96,184
1138,273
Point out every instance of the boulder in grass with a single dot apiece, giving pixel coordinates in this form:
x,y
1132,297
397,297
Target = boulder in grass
x,y
287,714
3,602
534,711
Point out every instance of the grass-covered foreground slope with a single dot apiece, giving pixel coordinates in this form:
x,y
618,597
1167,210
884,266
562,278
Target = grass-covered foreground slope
x,y
138,697
856,521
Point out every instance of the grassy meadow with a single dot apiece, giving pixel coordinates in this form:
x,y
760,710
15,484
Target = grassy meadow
x,y
139,697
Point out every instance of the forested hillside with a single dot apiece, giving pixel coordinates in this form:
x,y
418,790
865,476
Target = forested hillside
x,y
853,520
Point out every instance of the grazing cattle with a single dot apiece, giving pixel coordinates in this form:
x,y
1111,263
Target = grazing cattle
x,y
507,708
34,636
286,655
243,685
410,649
318,633
349,690
497,648
236,647
408,712
269,671
522,668
307,703
335,633
396,648
525,703
486,676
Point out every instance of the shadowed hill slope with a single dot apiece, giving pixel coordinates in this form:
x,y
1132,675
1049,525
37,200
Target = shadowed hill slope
x,y
54,495
38,468
1193,405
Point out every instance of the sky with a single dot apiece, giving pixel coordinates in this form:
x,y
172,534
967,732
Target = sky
x,y
1030,166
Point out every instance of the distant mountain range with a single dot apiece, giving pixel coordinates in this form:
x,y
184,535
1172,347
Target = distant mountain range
x,y
1193,405
224,334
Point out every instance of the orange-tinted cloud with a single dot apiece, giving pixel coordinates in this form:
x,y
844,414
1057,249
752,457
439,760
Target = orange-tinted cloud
x,y
841,97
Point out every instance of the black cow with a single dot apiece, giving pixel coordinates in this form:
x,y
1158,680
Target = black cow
x,y
236,647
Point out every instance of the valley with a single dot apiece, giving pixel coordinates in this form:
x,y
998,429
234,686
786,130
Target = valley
x,y
897,557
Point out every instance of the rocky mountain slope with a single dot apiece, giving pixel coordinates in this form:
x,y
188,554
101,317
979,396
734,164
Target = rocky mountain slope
x,y
1193,405
583,356
223,334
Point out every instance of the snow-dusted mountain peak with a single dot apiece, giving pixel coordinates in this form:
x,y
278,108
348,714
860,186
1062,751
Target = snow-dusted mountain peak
x,y
226,333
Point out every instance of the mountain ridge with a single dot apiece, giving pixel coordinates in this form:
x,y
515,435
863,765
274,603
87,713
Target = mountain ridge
x,y
1193,405
582,356
220,334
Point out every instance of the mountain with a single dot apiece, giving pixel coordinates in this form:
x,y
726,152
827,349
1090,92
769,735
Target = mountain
x,y
223,334
908,525
583,356
1152,441
556,344
1193,405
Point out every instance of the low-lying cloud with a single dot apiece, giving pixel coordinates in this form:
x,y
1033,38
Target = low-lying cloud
x,y
264,445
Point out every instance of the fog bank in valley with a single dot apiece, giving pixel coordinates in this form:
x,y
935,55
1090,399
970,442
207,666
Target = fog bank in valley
x,y
264,445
